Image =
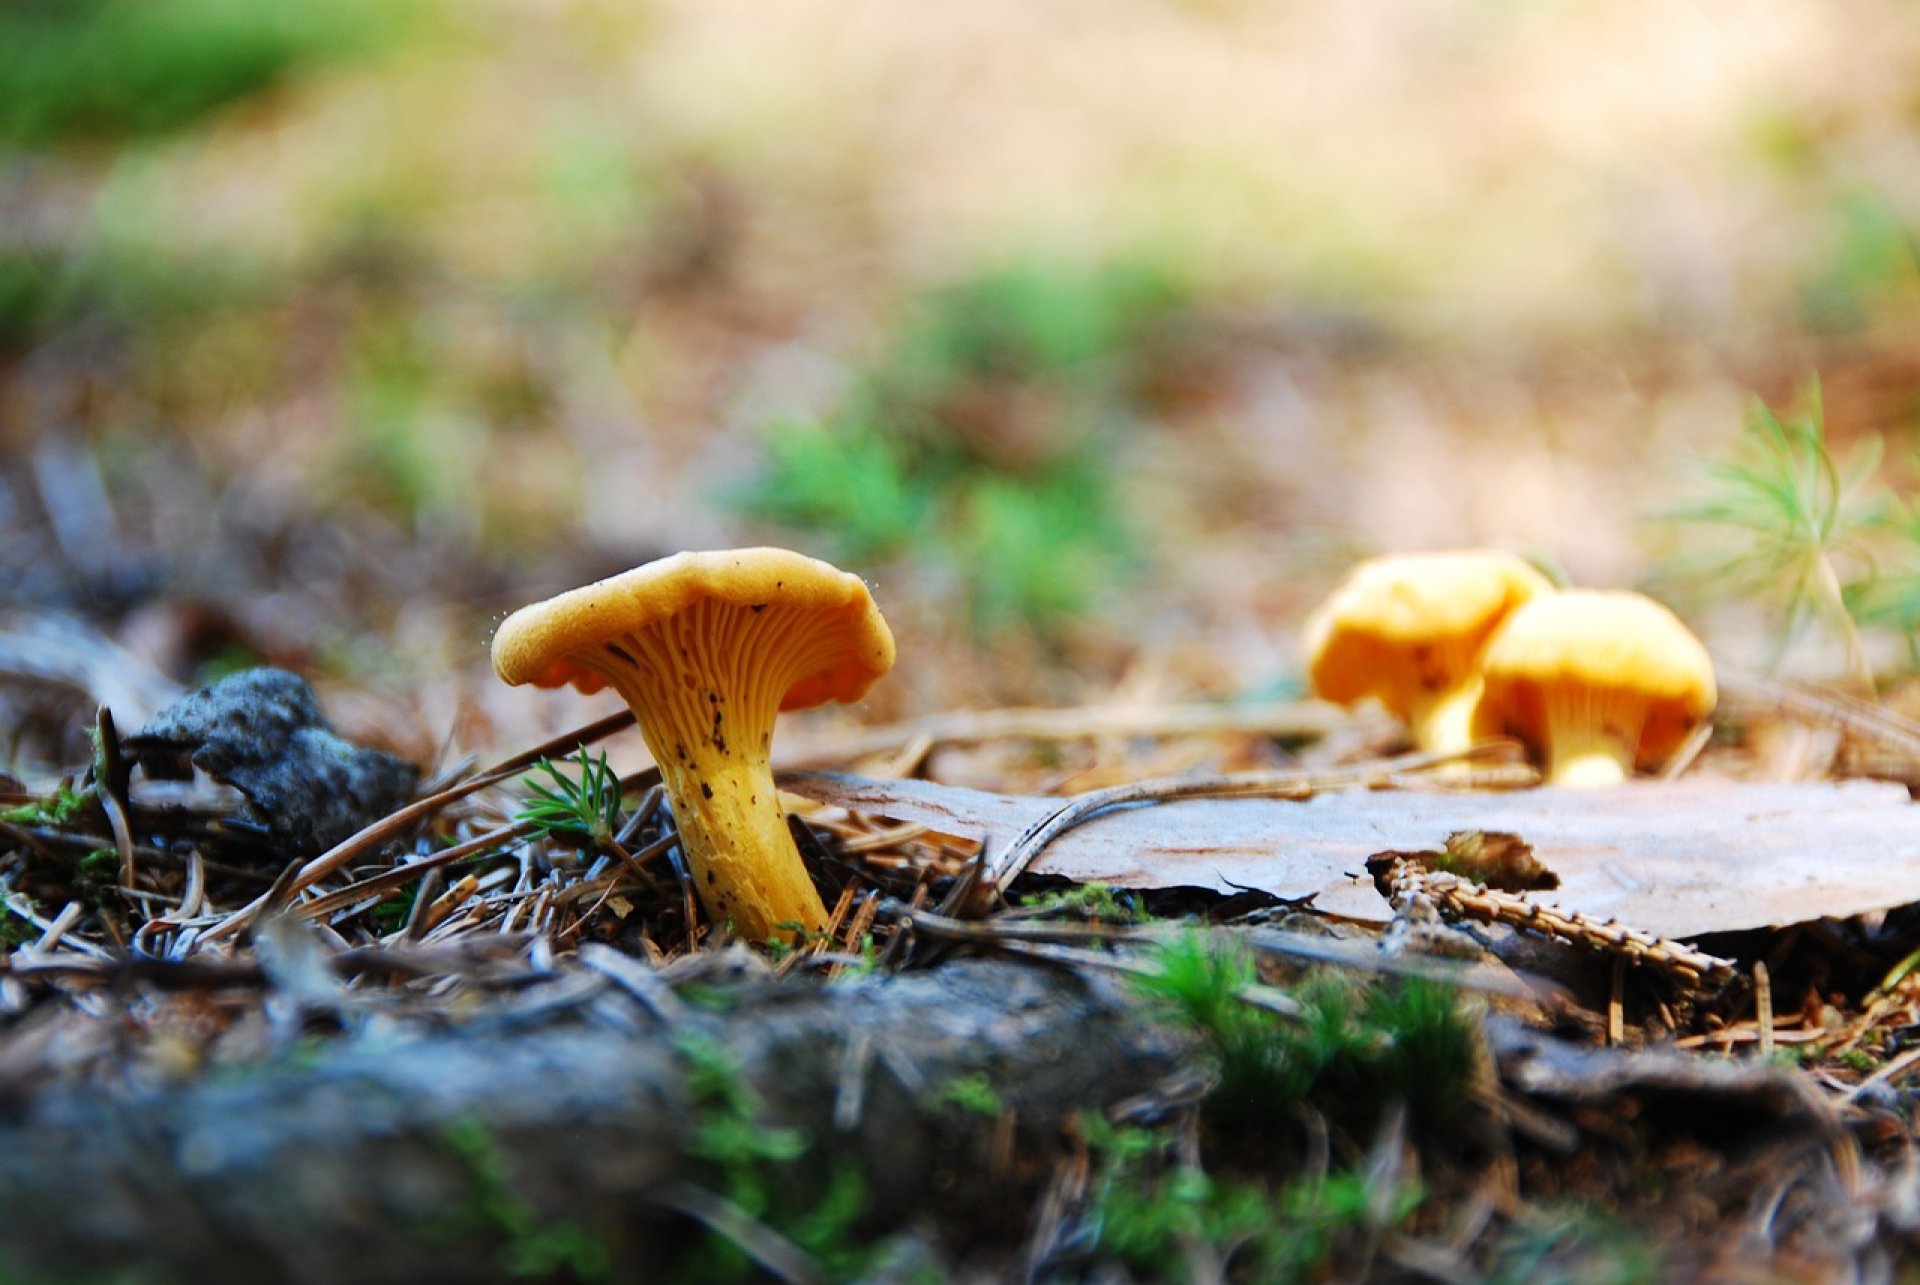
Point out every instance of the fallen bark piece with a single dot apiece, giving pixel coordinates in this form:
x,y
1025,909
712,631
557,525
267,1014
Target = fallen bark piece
x,y
462,1154
1673,858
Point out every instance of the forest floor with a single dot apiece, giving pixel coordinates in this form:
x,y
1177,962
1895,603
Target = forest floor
x,y
451,1028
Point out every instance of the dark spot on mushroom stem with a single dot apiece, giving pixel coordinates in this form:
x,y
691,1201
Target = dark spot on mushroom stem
x,y
757,607
719,741
706,791
710,879
680,750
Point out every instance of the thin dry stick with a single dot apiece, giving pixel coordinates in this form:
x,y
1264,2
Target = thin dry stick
x,y
1616,1006
1284,718
1763,1006
395,823
1892,1070
779,1257
110,785
1022,852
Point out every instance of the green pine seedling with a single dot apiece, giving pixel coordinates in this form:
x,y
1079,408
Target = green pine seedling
x,y
584,808
1781,519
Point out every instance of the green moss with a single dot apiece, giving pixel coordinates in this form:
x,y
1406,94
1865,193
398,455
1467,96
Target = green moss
x,y
973,1093
57,809
747,1164
1357,1048
1857,1060
530,1245
1149,1212
1098,901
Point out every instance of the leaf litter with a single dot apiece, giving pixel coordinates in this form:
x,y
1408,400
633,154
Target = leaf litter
x,y
529,898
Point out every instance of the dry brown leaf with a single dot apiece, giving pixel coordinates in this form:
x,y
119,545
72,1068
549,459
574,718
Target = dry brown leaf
x,y
1674,858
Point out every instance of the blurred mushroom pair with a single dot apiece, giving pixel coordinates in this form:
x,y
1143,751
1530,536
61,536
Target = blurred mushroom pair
x,y
1477,644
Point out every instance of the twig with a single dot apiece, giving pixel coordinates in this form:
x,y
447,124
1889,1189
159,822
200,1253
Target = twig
x,y
20,906
1285,718
1763,1006
1458,898
1023,851
110,787
50,939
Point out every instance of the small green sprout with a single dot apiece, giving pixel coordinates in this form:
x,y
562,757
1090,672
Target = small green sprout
x,y
584,808
1857,1060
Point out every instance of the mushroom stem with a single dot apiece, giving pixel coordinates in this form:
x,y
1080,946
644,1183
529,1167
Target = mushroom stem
x,y
1598,763
739,850
1444,724
706,697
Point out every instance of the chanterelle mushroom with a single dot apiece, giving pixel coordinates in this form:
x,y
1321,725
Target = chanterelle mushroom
x,y
1408,630
1595,682
707,648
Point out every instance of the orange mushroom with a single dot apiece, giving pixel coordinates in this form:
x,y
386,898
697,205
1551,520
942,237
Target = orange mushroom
x,y
1595,682
1408,630
707,649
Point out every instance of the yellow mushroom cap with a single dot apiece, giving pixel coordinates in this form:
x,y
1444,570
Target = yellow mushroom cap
x,y
1408,630
1591,670
553,642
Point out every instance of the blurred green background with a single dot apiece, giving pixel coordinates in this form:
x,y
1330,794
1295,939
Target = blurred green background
x,y
1098,337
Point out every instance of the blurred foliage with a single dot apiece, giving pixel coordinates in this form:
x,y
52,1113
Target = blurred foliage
x,y
495,291
1871,266
1826,541
985,438
103,70
98,83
